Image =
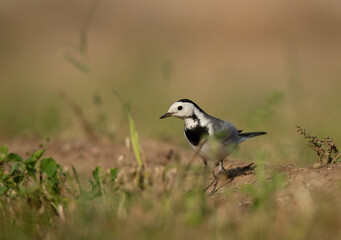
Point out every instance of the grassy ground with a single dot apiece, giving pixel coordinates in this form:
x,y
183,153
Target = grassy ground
x,y
264,67
167,200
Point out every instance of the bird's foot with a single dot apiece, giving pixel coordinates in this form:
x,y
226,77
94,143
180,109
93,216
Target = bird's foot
x,y
215,184
215,180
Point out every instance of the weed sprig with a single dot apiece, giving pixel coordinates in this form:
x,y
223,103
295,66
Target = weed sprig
x,y
326,149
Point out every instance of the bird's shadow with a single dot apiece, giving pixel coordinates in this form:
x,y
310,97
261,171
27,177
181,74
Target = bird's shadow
x,y
232,173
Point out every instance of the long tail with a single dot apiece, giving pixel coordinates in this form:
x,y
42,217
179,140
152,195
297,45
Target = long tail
x,y
246,136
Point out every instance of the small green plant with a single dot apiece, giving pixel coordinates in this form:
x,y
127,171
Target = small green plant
x,y
326,149
40,181
43,183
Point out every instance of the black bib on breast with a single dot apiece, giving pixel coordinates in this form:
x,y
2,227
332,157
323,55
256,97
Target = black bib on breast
x,y
194,135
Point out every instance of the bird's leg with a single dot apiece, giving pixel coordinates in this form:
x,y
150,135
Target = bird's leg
x,y
221,167
215,181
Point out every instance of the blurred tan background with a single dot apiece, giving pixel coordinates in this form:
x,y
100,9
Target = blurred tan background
x,y
264,65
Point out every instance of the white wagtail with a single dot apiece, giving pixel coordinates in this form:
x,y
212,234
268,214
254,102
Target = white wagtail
x,y
213,139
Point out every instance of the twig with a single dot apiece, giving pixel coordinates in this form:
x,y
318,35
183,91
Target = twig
x,y
80,116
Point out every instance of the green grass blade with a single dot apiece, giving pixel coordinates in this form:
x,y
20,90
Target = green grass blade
x,y
75,173
4,149
77,64
133,133
113,174
134,139
69,180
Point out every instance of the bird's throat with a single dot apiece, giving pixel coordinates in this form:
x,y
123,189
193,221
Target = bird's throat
x,y
192,122
193,130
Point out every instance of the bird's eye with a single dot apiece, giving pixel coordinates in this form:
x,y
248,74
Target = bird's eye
x,y
179,108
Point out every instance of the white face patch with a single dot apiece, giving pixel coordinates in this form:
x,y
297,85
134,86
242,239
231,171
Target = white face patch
x,y
181,110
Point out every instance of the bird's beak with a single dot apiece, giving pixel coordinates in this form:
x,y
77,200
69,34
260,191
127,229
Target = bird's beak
x,y
166,115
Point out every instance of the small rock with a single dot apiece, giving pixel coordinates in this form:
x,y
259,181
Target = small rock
x,y
317,165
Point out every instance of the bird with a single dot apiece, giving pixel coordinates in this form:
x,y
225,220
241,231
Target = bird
x,y
211,138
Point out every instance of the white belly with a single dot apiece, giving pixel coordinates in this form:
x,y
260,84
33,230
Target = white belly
x,y
213,151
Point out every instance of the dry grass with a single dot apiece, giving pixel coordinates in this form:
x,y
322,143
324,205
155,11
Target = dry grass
x,y
326,149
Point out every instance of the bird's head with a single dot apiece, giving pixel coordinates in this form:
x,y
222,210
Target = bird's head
x,y
182,109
